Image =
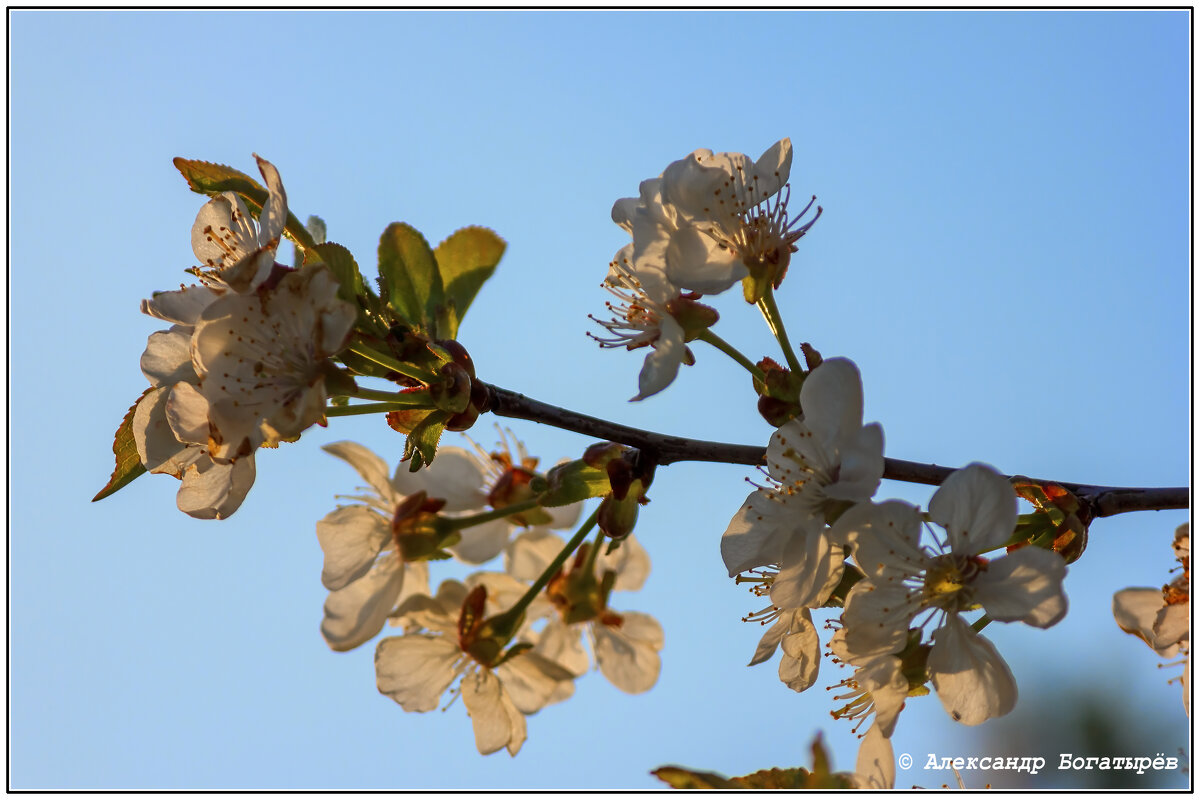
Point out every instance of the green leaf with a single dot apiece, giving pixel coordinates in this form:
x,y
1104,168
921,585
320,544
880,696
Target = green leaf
x,y
211,179
466,259
409,277
682,778
421,444
129,464
343,266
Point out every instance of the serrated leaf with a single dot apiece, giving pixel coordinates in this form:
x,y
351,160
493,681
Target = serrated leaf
x,y
466,259
409,277
421,445
682,778
211,179
343,266
129,464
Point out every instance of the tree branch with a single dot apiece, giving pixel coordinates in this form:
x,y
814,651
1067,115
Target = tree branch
x,y
1104,501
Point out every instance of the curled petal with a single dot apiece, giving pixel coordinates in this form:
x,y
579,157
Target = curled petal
x,y
801,653
1136,610
662,364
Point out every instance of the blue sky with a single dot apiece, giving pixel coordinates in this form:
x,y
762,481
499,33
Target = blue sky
x,y
1004,251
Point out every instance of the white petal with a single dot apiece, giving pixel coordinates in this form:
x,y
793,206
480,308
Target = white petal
x,y
861,466
187,414
832,400
877,617
662,364
810,570
157,446
1024,586
881,676
214,491
415,670
563,644
1136,610
534,681
756,535
978,508
876,765
528,555
885,538
183,306
483,542
774,167
273,217
496,721
168,357
801,653
372,468
356,613
456,476
1171,625
628,653
350,537
697,264
630,561
972,680
770,640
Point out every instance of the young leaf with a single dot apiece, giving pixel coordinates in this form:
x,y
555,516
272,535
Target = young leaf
x,y
409,277
211,179
466,259
129,464
343,266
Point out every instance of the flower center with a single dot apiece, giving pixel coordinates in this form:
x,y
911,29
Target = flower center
x,y
948,581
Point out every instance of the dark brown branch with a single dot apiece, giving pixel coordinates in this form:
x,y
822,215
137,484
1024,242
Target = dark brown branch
x,y
1104,501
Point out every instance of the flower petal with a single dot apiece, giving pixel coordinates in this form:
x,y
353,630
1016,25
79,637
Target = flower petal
x,y
832,399
350,537
884,537
628,653
369,466
756,535
978,508
662,363
876,764
801,653
496,721
356,613
214,491
415,670
972,680
1136,610
876,618
533,681
1024,586
810,569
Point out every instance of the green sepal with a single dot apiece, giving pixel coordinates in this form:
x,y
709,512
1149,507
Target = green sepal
x,y
776,778
409,277
129,463
465,260
211,179
572,482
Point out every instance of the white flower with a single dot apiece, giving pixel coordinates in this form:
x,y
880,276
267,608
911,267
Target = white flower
x,y
876,764
1162,617
262,359
365,567
417,668
210,489
237,252
878,687
828,458
625,644
641,318
740,207
977,507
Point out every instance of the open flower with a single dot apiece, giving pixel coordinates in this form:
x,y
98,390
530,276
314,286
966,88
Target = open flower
x,y
233,250
210,489
375,549
1162,617
262,360
641,318
625,643
978,509
441,644
815,465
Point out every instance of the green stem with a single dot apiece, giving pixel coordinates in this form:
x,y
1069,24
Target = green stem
x,y
360,348
590,567
458,523
770,313
371,408
731,351
555,565
980,623
403,398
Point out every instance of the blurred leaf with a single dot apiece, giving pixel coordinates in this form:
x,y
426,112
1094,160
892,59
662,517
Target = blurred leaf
x,y
408,274
466,259
129,464
211,179
680,778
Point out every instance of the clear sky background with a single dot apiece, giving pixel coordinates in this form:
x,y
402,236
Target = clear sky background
x,y
1004,252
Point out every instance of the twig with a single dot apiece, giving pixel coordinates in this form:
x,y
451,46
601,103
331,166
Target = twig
x,y
1104,501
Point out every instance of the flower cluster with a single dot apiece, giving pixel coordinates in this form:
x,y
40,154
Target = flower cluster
x,y
514,640
244,364
706,223
902,622
1162,617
